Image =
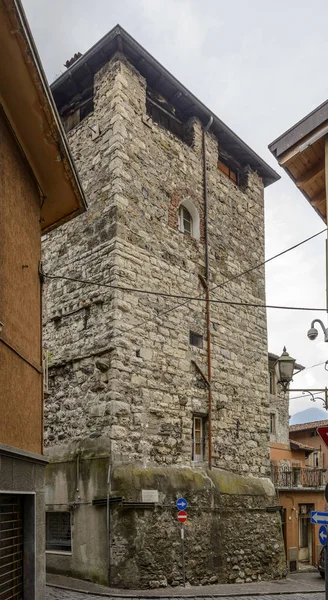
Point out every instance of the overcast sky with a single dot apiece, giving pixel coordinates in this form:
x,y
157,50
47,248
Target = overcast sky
x,y
259,66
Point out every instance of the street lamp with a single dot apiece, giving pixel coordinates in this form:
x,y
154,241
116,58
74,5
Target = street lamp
x,y
313,332
284,368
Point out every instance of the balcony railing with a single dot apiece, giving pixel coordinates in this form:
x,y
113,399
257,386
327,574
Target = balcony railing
x,y
296,477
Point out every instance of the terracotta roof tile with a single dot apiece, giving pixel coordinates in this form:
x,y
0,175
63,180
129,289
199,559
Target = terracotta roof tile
x,y
312,425
298,445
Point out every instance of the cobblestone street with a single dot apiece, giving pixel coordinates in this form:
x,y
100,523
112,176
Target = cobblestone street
x,y
59,594
296,586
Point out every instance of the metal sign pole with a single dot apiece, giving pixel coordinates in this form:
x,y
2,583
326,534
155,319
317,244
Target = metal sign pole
x,y
183,558
326,573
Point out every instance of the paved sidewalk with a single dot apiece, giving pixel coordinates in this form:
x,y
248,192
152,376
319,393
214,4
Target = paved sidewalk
x,y
305,586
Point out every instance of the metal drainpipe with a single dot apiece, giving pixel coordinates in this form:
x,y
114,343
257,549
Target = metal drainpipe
x,y
108,525
208,314
41,278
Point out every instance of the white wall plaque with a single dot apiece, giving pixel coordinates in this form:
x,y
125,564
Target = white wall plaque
x,y
149,496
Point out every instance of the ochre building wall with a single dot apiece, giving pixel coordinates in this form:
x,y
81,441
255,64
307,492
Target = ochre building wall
x,y
290,500
282,452
20,307
310,438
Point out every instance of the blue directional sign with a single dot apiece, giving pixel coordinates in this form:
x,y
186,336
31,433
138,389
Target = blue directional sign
x,y
182,504
319,518
323,535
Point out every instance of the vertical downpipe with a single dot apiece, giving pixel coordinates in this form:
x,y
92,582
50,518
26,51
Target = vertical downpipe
x,y
326,187
41,279
208,313
108,526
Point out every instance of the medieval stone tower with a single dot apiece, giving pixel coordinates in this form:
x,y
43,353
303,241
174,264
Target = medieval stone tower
x,y
153,394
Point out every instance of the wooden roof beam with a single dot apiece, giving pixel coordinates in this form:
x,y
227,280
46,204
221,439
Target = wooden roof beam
x,y
319,198
311,174
120,45
305,143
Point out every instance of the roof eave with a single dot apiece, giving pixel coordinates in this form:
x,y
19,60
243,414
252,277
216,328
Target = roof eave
x,y
301,129
41,135
268,174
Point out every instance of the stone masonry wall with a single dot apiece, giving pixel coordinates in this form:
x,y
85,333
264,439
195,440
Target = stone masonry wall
x,y
122,381
117,365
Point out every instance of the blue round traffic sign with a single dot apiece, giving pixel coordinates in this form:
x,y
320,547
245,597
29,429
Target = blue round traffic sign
x,y
181,504
323,535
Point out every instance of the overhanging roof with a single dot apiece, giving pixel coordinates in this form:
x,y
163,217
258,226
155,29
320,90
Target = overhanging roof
x,y
301,152
80,76
32,115
298,446
306,426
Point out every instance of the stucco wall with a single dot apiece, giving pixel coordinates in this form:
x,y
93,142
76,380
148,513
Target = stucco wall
x,y
310,438
279,452
224,512
291,500
20,308
26,477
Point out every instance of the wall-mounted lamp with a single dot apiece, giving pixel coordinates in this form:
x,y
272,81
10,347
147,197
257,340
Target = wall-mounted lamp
x,y
284,368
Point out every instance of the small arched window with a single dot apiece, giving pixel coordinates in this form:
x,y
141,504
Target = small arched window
x,y
185,221
188,219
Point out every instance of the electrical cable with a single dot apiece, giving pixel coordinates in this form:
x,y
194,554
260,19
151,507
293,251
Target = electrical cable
x,y
179,296
311,367
258,266
199,297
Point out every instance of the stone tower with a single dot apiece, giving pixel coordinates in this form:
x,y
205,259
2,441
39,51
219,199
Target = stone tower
x,y
140,410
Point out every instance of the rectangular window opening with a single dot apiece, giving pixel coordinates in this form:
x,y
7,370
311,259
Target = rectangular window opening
x,y
198,438
315,459
74,115
195,339
272,377
272,423
58,531
165,115
228,166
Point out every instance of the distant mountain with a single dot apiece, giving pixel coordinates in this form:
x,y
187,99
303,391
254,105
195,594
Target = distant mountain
x,y
308,415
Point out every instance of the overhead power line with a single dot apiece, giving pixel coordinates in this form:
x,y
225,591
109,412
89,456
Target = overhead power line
x,y
200,297
265,262
311,367
179,296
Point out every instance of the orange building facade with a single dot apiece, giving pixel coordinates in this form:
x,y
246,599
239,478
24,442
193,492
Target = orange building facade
x,y
306,433
39,189
299,483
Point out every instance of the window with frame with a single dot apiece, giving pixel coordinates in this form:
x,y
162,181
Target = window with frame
x,y
198,438
195,339
58,531
272,379
167,116
228,166
185,221
315,459
272,423
77,113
